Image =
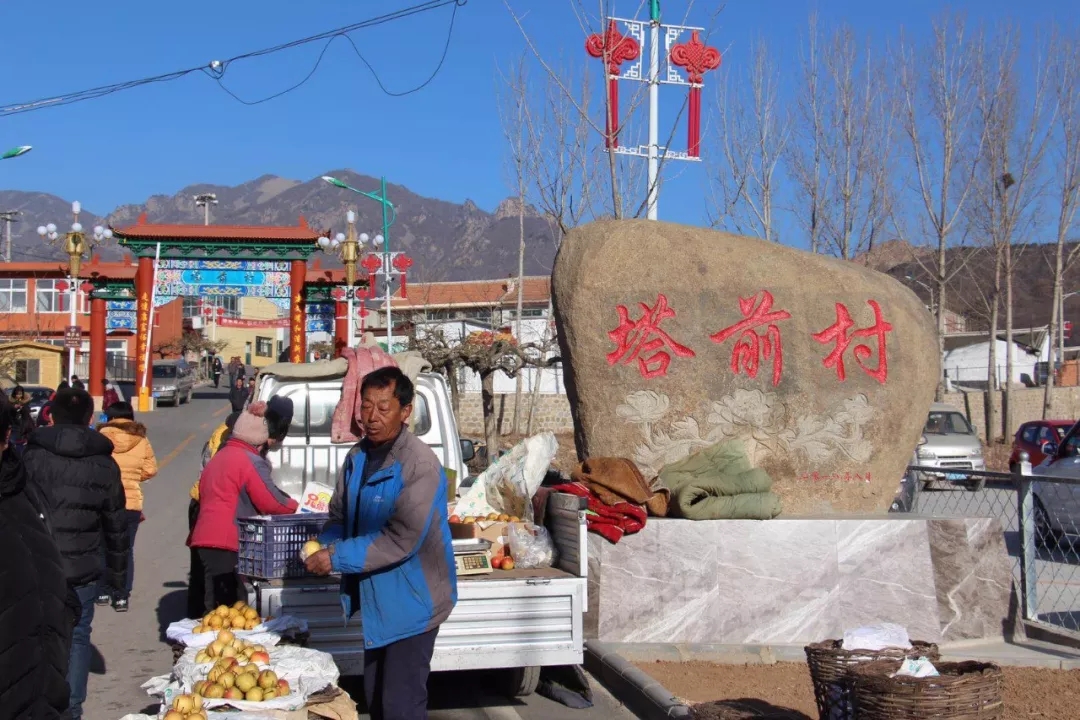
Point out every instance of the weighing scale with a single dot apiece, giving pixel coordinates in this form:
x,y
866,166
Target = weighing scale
x,y
471,556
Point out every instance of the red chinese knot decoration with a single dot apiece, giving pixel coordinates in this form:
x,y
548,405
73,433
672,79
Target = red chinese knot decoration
x,y
839,334
615,48
696,58
644,341
371,265
754,344
402,263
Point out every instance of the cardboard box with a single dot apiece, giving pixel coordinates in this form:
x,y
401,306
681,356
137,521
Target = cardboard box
x,y
492,530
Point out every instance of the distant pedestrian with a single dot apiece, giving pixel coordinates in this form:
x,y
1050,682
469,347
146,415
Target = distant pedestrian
x,y
216,370
238,395
251,390
76,383
22,422
72,465
236,370
109,396
135,456
45,413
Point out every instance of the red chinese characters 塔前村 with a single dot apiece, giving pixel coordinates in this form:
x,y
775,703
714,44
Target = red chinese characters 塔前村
x,y
751,346
644,341
841,334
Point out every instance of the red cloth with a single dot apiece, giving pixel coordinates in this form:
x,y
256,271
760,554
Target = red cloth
x,y
235,483
609,521
345,427
110,398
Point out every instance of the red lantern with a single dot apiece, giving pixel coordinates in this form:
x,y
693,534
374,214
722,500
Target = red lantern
x,y
88,287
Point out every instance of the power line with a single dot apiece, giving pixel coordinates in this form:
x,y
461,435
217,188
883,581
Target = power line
x,y
217,68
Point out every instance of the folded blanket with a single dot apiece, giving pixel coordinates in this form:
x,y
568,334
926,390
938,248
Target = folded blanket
x,y
609,521
616,480
718,483
345,426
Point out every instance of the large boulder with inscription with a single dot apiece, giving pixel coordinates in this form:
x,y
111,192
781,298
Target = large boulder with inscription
x,y
675,338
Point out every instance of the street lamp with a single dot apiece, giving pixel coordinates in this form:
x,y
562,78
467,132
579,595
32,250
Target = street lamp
x,y
348,249
74,247
16,152
389,214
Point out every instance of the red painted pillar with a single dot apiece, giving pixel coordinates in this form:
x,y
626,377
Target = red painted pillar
x,y
97,349
341,327
297,321
144,279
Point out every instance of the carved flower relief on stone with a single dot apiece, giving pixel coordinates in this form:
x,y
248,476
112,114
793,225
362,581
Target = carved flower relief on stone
x,y
758,418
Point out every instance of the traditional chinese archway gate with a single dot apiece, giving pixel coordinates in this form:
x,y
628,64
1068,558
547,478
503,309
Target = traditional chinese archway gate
x,y
201,260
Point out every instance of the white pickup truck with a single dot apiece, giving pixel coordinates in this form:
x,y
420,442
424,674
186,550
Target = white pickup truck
x,y
518,620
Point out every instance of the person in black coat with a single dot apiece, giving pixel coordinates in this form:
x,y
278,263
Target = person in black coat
x,y
72,465
37,608
238,395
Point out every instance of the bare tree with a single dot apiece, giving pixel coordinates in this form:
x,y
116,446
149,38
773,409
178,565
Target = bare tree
x,y
753,135
1065,84
939,122
805,159
515,131
1014,128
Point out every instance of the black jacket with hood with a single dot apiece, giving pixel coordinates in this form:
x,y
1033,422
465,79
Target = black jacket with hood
x,y
36,613
74,469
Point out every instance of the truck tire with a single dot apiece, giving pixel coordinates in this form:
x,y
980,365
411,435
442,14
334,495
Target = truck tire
x,y
522,681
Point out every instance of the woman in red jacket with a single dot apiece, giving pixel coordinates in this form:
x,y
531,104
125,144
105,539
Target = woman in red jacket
x,y
235,484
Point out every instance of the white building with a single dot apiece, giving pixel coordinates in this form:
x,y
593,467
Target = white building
x,y
967,357
456,309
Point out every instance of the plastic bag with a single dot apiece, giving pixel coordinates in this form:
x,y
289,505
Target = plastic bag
x,y
530,546
507,487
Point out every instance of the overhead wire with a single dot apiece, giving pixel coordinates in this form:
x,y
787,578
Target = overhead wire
x,y
217,69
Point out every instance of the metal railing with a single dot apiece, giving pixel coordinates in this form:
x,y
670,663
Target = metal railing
x,y
1040,519
118,368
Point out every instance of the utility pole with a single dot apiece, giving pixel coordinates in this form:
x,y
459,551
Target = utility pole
x,y
205,200
8,216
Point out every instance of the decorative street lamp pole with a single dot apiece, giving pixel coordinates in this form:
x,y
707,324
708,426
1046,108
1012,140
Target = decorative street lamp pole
x,y
380,261
348,249
388,217
74,247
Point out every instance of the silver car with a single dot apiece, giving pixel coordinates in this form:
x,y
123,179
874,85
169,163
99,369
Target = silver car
x,y
174,382
1057,505
950,443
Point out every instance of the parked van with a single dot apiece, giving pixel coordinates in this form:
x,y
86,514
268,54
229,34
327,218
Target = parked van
x,y
174,382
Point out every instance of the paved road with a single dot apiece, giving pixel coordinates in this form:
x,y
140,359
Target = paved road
x,y
1057,570
129,648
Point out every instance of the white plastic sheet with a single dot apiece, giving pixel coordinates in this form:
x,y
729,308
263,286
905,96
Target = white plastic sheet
x,y
876,637
268,633
507,487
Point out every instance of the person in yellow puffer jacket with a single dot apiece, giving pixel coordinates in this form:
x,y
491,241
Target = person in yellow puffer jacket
x,y
196,577
135,456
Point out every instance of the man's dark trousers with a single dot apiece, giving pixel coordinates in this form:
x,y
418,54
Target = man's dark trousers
x,y
395,678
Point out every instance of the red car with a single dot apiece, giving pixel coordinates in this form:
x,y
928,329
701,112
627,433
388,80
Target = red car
x,y
1031,437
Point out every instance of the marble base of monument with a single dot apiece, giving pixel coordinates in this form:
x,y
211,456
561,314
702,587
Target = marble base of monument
x,y
796,580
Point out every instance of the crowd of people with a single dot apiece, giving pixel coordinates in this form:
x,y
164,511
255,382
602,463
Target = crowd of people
x,y
71,502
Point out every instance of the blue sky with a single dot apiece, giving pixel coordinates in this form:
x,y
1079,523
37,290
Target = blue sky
x,y
444,141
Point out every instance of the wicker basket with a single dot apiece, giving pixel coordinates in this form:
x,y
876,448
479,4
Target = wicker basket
x,y
963,691
829,667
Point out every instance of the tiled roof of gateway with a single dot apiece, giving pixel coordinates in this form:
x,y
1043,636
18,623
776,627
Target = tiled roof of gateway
x,y
143,230
472,293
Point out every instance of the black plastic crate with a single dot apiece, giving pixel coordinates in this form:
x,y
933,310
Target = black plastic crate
x,y
270,546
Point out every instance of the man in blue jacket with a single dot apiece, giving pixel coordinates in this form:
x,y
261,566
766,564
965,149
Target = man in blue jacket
x,y
388,537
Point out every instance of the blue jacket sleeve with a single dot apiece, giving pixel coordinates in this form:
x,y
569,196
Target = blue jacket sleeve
x,y
334,529
403,533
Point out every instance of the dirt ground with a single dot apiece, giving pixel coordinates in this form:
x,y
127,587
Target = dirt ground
x,y
783,691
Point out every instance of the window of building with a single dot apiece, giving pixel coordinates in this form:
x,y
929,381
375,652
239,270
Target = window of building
x,y
193,305
264,347
13,296
526,313
49,299
28,372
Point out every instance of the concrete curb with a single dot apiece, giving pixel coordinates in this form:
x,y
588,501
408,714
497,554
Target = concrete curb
x,y
643,695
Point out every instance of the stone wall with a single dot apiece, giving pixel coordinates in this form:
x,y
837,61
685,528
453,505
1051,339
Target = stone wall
x,y
1027,406
552,414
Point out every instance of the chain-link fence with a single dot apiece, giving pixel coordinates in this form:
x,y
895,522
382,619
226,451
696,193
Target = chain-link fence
x,y
1039,515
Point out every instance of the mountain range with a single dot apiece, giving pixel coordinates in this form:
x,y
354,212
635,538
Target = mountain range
x,y
447,241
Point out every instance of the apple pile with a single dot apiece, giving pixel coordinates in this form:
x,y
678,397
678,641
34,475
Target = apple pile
x,y
240,616
228,646
186,707
493,517
229,679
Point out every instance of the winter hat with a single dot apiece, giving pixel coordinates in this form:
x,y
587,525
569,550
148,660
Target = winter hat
x,y
279,415
251,425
